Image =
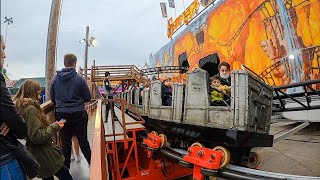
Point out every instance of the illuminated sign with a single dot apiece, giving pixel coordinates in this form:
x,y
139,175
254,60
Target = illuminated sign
x,y
185,17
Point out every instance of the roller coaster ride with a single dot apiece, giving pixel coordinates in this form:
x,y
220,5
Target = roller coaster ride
x,y
135,150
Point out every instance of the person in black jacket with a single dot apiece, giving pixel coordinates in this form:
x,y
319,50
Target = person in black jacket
x,y
69,91
167,92
108,93
12,125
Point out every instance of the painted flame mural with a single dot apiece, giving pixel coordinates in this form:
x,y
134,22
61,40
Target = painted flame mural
x,y
260,34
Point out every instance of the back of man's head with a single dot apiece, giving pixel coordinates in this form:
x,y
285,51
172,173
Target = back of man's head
x,y
70,60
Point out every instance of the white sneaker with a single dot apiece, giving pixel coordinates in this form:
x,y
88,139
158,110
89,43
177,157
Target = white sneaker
x,y
72,157
78,157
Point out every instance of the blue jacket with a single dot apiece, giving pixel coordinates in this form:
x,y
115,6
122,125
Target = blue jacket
x,y
69,91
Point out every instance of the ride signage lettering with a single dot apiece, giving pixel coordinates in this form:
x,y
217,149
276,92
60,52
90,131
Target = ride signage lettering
x,y
185,17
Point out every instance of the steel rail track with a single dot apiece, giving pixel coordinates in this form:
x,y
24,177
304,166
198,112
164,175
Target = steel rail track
x,y
238,172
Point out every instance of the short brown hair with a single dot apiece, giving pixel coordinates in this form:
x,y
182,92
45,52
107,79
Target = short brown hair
x,y
216,77
69,59
224,64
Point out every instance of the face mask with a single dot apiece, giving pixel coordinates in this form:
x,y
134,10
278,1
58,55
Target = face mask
x,y
225,76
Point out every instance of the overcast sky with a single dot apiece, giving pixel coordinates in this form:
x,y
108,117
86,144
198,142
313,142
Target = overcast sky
x,y
127,32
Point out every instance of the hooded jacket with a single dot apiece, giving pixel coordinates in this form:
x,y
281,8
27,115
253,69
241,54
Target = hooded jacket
x,y
39,139
69,91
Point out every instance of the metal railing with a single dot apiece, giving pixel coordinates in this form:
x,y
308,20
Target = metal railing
x,y
164,69
91,107
122,104
303,99
100,148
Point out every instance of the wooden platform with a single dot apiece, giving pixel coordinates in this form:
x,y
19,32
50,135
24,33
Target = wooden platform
x,y
118,125
128,119
108,131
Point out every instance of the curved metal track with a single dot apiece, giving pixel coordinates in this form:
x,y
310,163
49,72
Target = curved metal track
x,y
265,174
238,172
164,69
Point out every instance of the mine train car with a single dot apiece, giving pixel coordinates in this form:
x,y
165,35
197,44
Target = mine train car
x,y
239,127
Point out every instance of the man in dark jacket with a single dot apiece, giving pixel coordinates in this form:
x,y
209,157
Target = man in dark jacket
x,y
69,91
12,125
108,93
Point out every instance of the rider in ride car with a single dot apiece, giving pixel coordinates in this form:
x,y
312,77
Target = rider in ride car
x,y
219,92
167,92
224,73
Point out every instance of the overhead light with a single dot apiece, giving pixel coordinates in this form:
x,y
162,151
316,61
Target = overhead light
x,y
93,41
291,56
82,41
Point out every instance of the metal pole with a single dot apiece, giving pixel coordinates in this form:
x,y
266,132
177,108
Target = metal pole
x,y
86,54
8,21
51,44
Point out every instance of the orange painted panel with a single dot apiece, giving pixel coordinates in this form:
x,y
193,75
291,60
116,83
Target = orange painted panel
x,y
260,34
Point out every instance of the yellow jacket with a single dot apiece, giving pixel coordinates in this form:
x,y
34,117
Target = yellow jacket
x,y
218,92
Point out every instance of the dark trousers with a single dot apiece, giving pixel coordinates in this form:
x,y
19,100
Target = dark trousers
x,y
108,107
62,174
76,124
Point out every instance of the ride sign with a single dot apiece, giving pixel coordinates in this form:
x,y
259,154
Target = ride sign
x,y
186,17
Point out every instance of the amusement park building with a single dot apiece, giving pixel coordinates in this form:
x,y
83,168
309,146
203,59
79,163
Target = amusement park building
x,y
259,34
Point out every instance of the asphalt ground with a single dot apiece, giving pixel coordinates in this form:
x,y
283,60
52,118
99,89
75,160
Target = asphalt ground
x,y
298,154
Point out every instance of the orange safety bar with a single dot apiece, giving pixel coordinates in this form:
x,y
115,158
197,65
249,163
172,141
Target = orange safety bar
x,y
98,165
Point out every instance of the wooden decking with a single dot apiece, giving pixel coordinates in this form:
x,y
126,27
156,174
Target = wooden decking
x,y
118,125
108,131
117,73
128,119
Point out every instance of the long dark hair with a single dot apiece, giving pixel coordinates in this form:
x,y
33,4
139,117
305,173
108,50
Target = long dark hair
x,y
28,95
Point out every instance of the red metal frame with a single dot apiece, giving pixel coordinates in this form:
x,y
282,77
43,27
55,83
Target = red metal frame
x,y
114,144
202,157
153,141
128,157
